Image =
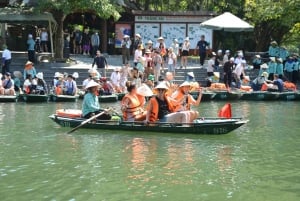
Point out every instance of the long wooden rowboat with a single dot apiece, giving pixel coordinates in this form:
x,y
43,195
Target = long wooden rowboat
x,y
216,126
260,96
34,98
287,96
108,98
206,96
120,95
225,95
8,98
63,98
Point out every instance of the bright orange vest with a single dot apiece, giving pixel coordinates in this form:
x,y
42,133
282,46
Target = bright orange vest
x,y
134,106
154,112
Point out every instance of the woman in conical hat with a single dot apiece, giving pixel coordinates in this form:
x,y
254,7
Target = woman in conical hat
x,y
29,69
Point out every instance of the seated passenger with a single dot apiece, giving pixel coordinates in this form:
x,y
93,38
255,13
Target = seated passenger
x,y
70,86
184,98
257,83
105,88
276,84
90,104
8,85
133,103
162,108
41,86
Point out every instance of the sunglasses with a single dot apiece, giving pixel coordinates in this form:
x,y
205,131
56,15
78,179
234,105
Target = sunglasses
x,y
161,89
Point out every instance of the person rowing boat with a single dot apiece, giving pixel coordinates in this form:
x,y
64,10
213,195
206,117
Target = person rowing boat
x,y
90,104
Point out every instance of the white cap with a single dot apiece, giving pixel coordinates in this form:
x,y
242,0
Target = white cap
x,y
185,84
75,75
227,51
191,74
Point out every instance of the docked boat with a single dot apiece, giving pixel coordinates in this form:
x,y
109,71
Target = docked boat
x,y
260,96
63,98
120,95
216,126
8,98
34,98
287,96
108,98
206,95
225,95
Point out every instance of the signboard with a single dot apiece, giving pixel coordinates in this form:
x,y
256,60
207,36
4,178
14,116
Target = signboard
x,y
121,30
172,31
148,31
195,31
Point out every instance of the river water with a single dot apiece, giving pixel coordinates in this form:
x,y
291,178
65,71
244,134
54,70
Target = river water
x,y
259,161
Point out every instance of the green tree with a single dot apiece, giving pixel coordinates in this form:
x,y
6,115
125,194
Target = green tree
x,y
61,8
273,20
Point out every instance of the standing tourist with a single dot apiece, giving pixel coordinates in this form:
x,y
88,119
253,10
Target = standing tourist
x,y
171,61
95,42
279,68
44,40
289,68
86,41
126,43
185,52
77,39
101,63
6,59
226,56
228,68
157,61
138,53
272,68
202,45
273,49
31,48
137,42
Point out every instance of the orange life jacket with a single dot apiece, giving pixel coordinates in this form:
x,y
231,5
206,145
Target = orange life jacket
x,y
155,107
134,108
225,111
289,85
58,90
185,100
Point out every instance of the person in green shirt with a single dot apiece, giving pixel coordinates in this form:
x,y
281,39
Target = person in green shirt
x,y
90,104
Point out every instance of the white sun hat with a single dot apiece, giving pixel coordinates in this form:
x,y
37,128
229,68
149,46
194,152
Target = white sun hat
x,y
92,83
185,84
144,90
40,75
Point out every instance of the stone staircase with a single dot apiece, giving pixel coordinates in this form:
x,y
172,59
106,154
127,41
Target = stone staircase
x,y
83,63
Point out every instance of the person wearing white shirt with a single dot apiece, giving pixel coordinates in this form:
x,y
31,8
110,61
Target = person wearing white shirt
x,y
44,40
126,43
137,55
211,65
239,73
6,60
115,79
185,52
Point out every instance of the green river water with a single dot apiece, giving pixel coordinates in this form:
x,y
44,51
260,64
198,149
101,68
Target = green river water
x,y
259,161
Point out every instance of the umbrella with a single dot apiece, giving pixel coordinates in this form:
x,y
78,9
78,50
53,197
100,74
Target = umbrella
x,y
227,22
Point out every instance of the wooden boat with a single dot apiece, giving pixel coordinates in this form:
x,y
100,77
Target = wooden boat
x,y
287,96
120,95
225,95
206,95
260,96
63,98
8,98
34,98
215,126
108,98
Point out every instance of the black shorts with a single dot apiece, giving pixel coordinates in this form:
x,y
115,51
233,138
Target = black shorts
x,y
185,53
77,43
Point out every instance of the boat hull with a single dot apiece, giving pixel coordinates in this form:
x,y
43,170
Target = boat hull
x,y
225,95
260,96
34,98
108,98
8,98
216,126
64,98
206,96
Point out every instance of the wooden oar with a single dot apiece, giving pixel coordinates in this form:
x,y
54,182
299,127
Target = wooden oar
x,y
87,121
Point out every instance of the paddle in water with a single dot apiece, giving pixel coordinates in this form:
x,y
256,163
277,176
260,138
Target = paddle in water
x,y
88,120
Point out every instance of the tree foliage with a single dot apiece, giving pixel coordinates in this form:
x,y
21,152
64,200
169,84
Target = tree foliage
x,y
61,8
